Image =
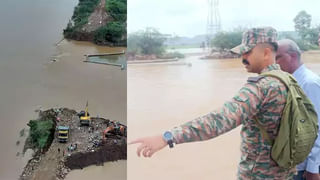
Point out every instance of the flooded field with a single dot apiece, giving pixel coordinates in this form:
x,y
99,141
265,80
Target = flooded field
x,y
161,96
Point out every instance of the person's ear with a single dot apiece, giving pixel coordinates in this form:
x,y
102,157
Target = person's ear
x,y
267,53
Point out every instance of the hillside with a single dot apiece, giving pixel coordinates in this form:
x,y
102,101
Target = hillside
x,y
100,21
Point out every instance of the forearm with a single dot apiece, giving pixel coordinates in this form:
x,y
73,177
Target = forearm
x,y
241,107
210,125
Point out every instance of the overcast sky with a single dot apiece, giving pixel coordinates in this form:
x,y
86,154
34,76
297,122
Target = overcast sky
x,y
189,17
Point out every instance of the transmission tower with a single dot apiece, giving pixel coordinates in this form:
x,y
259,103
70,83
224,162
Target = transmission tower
x,y
213,20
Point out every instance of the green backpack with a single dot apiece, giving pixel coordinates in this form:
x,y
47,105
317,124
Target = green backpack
x,y
298,127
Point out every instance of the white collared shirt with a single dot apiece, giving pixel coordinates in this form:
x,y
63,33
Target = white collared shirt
x,y
310,83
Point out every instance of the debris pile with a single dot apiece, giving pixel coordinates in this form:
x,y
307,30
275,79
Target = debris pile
x,y
85,145
226,54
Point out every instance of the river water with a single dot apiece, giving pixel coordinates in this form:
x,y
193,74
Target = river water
x,y
164,95
29,32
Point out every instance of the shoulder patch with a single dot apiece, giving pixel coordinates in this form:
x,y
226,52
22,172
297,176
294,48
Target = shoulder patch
x,y
254,79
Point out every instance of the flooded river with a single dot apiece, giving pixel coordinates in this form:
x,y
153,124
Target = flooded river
x,y
161,96
29,79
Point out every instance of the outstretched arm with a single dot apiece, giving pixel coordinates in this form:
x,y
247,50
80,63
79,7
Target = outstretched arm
x,y
242,106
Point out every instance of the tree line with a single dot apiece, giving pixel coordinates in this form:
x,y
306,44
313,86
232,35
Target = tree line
x,y
151,41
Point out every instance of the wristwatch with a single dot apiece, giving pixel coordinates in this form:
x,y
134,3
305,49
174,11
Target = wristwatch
x,y
168,137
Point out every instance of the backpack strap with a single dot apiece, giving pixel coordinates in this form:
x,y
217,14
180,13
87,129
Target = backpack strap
x,y
285,79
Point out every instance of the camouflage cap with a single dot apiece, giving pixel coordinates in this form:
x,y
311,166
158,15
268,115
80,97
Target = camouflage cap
x,y
254,36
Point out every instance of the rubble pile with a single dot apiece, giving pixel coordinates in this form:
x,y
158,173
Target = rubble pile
x,y
221,55
32,165
85,146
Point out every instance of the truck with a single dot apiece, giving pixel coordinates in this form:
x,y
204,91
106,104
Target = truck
x,y
63,133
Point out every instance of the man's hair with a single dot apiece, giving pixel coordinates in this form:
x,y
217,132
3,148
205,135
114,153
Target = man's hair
x,y
272,46
292,46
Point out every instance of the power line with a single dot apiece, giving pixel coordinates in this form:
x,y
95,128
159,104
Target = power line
x,y
213,20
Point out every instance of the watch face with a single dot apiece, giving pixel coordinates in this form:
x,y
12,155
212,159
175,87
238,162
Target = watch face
x,y
167,135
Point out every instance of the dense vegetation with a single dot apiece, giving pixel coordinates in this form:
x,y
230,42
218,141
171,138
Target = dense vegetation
x,y
113,33
41,132
117,9
308,34
80,17
304,35
227,40
149,42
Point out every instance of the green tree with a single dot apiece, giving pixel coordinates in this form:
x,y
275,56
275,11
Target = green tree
x,y
312,35
117,9
113,32
302,23
133,40
41,132
148,41
227,40
308,34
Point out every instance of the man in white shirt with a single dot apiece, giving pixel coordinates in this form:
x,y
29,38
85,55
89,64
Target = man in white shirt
x,y
289,58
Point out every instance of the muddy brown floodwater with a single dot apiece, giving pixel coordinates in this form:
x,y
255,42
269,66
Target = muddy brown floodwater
x,y
161,96
28,34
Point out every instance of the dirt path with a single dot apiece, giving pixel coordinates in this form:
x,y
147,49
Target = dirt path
x,y
49,163
98,18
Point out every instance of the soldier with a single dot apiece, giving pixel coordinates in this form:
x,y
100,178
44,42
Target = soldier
x,y
261,99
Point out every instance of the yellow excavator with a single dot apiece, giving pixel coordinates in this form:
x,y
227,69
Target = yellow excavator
x,y
84,116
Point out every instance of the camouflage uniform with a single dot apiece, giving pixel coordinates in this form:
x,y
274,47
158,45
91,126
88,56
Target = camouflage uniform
x,y
254,36
261,98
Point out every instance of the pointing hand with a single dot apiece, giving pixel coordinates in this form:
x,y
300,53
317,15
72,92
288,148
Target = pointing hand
x,y
149,145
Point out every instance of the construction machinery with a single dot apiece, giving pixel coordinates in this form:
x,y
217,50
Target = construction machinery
x,y
63,133
115,129
84,116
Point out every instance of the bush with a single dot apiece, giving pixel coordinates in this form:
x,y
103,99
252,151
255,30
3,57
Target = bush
x,y
80,16
117,9
112,32
148,41
83,10
227,40
41,132
172,55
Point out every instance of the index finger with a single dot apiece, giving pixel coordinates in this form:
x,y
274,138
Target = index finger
x,y
136,141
